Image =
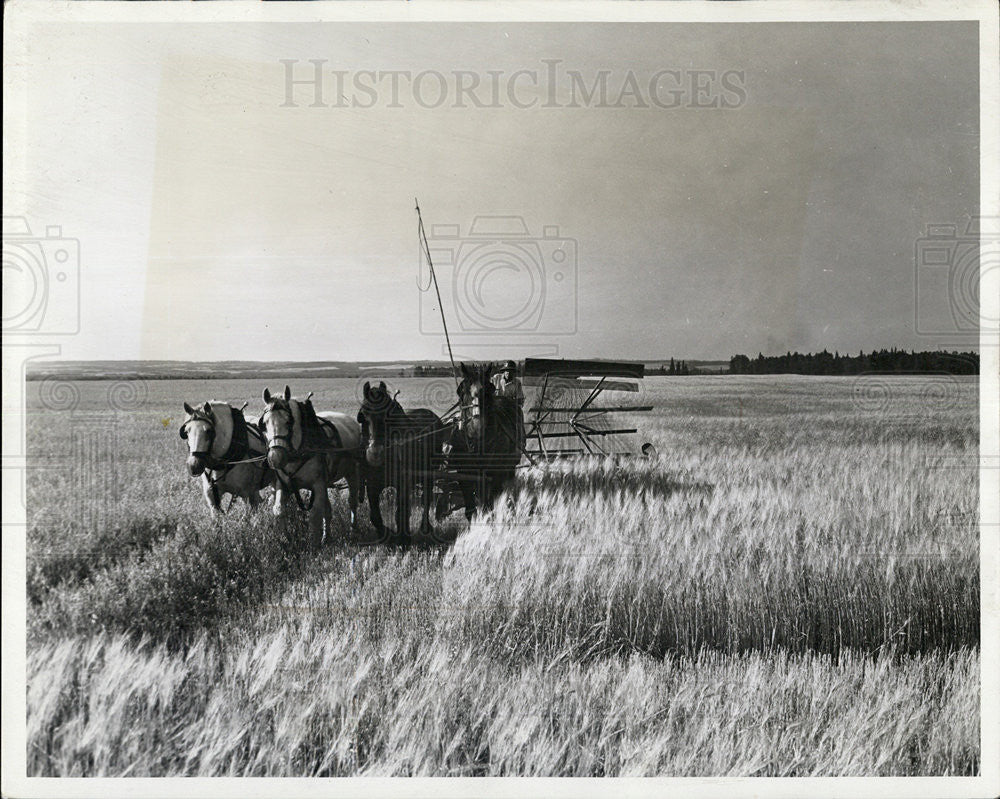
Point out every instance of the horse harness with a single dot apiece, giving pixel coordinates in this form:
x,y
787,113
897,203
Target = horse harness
x,y
237,453
323,437
427,431
507,424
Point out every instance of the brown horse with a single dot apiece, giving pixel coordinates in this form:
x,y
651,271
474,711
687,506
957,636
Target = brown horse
x,y
402,450
489,439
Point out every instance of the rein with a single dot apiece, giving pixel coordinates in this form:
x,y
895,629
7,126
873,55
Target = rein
x,y
431,428
223,464
292,451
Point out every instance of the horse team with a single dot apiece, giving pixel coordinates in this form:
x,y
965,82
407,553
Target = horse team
x,y
293,447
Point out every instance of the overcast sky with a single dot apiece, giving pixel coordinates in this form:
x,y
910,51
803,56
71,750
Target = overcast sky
x,y
220,217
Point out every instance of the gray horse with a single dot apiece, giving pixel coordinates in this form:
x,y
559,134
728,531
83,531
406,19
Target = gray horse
x,y
226,452
311,450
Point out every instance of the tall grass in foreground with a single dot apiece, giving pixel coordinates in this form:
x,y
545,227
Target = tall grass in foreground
x,y
312,703
180,584
811,550
99,494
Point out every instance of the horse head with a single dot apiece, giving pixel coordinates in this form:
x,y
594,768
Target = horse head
x,y
276,425
378,409
198,430
475,395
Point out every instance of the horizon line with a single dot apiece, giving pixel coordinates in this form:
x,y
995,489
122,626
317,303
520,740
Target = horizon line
x,y
447,362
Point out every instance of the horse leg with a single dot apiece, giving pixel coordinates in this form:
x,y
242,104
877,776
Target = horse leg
x,y
468,485
510,484
355,479
486,495
443,506
484,489
247,478
471,487
327,517
320,515
469,498
505,483
402,512
211,494
281,499
498,482
427,497
373,489
506,480
494,488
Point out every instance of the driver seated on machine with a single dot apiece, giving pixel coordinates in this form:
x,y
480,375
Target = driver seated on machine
x,y
507,383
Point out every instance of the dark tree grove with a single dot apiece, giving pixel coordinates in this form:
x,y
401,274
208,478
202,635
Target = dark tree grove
x,y
823,363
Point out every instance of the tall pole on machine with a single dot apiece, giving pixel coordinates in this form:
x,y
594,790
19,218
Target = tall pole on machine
x,y
425,249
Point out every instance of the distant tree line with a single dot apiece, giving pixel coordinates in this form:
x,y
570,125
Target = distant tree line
x,y
432,371
677,368
824,363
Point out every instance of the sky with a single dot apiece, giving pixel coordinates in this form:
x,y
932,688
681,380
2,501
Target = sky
x,y
773,203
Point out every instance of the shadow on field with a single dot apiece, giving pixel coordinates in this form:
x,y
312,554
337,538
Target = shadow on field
x,y
587,485
441,537
183,582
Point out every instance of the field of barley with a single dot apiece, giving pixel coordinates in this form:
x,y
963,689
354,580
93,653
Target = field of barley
x,y
789,588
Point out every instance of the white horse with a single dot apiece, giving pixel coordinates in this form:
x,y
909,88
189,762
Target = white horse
x,y
311,450
228,453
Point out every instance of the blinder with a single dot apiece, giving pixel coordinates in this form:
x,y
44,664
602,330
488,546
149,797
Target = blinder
x,y
282,441
211,432
471,408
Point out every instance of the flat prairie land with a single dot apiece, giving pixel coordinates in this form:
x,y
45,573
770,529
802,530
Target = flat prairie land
x,y
789,588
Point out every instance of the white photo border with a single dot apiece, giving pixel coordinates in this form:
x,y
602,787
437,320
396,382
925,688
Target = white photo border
x,y
20,14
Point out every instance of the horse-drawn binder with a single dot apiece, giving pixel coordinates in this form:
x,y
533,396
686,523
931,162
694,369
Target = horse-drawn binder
x,y
567,403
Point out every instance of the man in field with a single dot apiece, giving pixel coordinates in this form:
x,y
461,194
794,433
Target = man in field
x,y
507,384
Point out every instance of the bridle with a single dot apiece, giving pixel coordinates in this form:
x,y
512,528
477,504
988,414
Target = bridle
x,y
385,407
483,409
279,440
393,408
222,464
200,416
473,410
